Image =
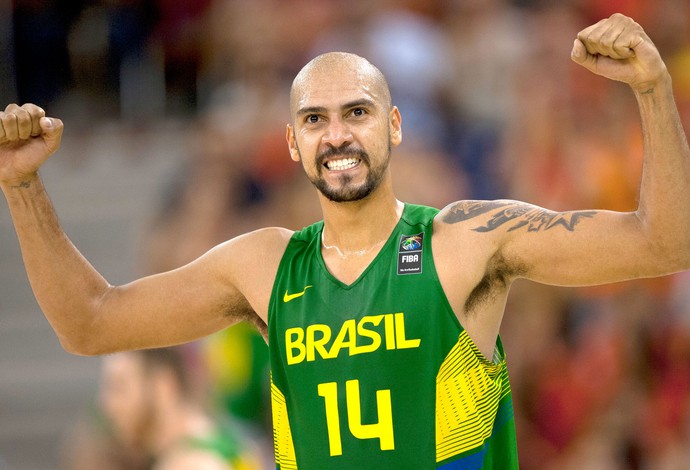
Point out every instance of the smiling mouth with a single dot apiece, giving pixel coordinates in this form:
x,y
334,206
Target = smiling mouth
x,y
342,164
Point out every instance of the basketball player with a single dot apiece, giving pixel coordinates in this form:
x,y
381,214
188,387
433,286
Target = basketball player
x,y
148,398
382,320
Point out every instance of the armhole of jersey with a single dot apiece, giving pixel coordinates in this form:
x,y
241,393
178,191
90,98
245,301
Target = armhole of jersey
x,y
437,281
297,237
275,295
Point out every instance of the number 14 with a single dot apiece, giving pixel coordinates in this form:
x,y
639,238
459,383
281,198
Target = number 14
x,y
383,430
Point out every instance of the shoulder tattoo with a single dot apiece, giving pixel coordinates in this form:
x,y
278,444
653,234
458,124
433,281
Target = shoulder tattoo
x,y
514,215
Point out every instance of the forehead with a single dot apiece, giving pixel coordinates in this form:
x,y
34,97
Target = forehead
x,y
331,87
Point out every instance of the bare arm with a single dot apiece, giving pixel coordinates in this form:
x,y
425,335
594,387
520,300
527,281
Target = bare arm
x,y
653,240
89,315
595,247
562,248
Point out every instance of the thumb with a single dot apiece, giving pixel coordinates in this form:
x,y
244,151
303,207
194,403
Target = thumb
x,y
50,126
579,53
51,129
580,56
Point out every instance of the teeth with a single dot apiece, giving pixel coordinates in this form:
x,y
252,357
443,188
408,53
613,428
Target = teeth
x,y
342,164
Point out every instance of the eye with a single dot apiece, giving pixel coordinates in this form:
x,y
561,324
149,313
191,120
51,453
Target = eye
x,y
312,118
357,112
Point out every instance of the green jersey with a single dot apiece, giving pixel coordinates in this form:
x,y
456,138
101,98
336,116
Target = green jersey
x,y
226,443
379,373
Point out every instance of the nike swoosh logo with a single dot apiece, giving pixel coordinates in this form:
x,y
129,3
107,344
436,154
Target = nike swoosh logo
x,y
288,297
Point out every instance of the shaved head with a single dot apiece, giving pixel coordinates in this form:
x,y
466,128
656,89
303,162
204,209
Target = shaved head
x,y
339,64
344,125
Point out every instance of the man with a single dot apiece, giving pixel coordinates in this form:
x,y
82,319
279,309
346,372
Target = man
x,y
148,397
384,353
153,411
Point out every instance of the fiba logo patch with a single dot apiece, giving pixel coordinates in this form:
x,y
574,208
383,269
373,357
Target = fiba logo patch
x,y
410,254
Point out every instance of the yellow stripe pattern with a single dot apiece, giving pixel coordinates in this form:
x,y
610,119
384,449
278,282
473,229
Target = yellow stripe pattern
x,y
468,391
282,435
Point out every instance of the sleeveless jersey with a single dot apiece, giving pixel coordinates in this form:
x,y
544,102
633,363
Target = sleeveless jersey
x,y
380,373
227,444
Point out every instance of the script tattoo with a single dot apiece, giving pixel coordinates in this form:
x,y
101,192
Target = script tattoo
x,y
515,215
22,185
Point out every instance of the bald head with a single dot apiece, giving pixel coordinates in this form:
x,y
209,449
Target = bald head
x,y
325,67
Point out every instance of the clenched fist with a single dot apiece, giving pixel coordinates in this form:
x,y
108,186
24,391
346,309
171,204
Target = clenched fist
x,y
27,139
619,49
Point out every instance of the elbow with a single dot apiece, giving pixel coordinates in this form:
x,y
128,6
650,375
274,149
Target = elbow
x,y
80,327
681,261
83,342
667,246
92,336
79,347
671,256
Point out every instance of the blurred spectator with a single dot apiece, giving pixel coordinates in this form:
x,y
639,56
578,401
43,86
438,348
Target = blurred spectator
x,y
409,47
486,42
179,31
152,409
42,67
132,67
8,87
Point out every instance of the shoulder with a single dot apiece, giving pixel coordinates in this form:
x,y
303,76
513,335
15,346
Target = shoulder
x,y
252,256
470,218
192,459
501,218
476,232
264,243
478,213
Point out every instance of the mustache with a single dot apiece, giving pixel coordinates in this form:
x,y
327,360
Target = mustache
x,y
342,151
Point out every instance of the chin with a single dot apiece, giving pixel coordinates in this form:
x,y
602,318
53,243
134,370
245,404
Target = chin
x,y
347,192
347,196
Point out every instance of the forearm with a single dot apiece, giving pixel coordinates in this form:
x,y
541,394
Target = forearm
x,y
67,288
664,206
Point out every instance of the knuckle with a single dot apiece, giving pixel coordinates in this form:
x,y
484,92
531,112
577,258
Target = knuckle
x,y
620,16
32,108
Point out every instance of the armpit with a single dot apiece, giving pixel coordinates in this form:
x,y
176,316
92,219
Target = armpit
x,y
497,278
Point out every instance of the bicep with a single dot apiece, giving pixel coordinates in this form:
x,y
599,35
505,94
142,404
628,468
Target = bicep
x,y
578,248
168,308
572,248
230,283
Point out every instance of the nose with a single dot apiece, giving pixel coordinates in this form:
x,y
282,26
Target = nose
x,y
337,133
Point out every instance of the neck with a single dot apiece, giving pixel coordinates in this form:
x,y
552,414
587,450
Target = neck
x,y
361,226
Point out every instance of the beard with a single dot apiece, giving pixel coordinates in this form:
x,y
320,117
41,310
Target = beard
x,y
346,191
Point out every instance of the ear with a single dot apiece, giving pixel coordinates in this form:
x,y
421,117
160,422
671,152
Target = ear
x,y
395,125
292,143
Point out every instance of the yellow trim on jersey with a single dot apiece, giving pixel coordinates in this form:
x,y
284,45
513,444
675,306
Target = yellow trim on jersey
x,y
468,391
282,435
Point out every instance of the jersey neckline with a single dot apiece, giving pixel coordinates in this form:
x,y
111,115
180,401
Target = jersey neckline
x,y
384,248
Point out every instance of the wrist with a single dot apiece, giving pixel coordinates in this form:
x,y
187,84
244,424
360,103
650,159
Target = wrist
x,y
20,183
663,82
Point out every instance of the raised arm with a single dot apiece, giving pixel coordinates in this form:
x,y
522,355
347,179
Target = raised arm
x,y
605,246
89,315
653,240
595,247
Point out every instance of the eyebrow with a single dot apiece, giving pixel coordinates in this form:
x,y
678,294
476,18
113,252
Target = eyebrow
x,y
321,109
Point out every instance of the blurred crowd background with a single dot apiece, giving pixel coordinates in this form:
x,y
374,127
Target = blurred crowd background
x,y
492,108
